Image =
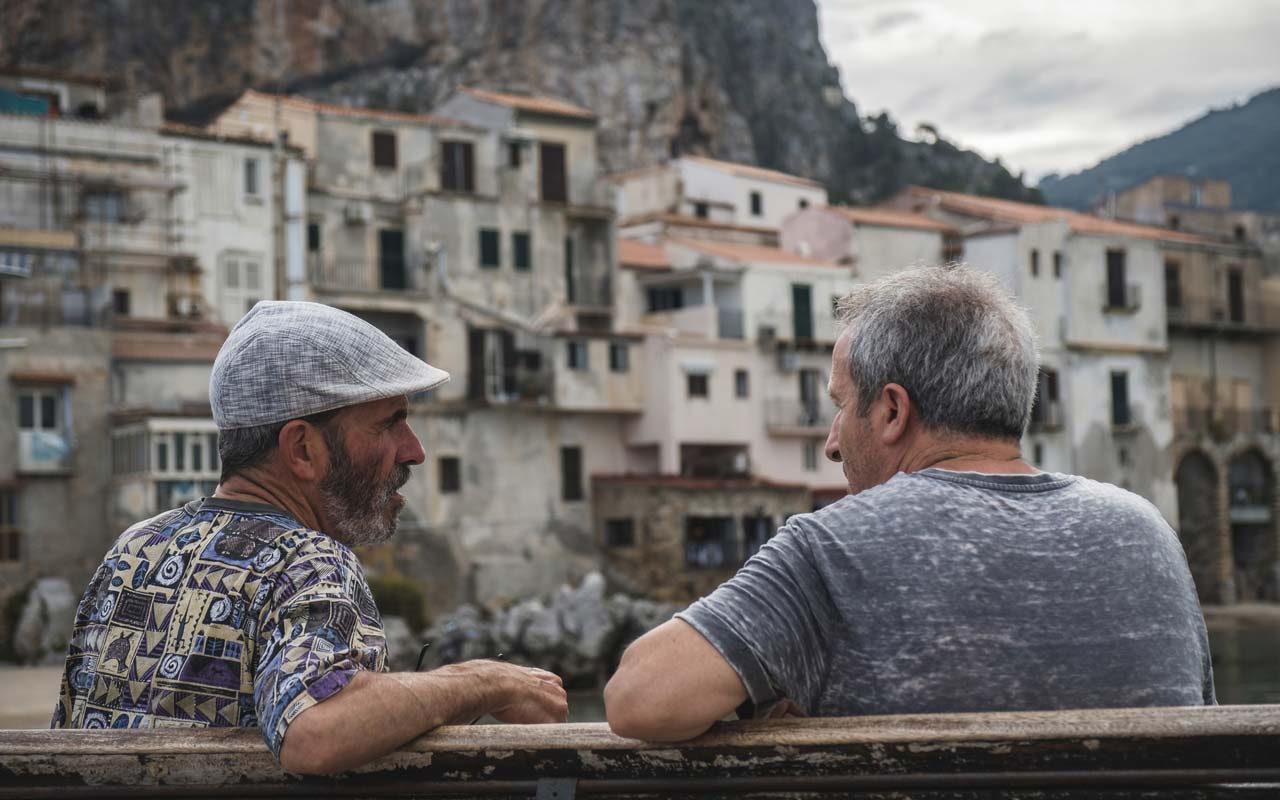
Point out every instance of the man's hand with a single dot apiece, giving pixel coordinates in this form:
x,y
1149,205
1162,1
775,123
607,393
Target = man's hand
x,y
377,712
537,697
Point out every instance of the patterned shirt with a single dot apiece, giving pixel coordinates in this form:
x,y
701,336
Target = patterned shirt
x,y
219,613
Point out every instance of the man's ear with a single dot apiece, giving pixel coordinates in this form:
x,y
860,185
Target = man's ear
x,y
896,413
302,451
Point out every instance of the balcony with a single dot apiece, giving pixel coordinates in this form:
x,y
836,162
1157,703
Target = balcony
x,y
1127,301
1046,417
1224,423
709,322
1211,313
793,417
366,276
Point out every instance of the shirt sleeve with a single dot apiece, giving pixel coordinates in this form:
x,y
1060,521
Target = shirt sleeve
x,y
320,629
771,622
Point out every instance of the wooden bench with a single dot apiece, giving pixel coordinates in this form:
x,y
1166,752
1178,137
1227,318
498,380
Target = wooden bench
x,y
1230,751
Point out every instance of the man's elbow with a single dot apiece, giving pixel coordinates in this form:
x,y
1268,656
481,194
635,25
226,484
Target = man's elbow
x,y
635,711
306,752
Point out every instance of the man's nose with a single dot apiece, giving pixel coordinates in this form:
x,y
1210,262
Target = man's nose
x,y
411,451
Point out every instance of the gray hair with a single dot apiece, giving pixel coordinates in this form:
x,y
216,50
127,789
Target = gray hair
x,y
963,349
240,449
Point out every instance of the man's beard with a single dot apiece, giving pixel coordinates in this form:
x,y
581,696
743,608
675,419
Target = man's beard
x,y
357,504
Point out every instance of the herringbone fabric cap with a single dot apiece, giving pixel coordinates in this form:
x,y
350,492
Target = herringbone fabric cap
x,y
285,360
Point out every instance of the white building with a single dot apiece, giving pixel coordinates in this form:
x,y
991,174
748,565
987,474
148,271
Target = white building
x,y
716,191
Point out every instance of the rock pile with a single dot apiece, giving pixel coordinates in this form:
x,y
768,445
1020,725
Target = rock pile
x,y
580,634
40,636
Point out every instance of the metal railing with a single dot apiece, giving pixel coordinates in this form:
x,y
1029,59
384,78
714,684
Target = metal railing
x,y
789,414
1210,311
365,276
1224,422
1130,301
1046,417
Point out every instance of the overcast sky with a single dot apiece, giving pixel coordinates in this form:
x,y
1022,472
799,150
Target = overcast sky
x,y
1050,86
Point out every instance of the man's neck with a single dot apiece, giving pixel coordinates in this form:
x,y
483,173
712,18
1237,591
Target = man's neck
x,y
252,489
969,454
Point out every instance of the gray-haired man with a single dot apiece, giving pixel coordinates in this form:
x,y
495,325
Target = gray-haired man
x,y
248,608
956,577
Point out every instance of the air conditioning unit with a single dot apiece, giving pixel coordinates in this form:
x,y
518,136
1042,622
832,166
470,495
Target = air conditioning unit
x,y
788,360
356,214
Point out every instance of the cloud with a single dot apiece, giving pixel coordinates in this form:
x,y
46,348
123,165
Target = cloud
x,y
894,19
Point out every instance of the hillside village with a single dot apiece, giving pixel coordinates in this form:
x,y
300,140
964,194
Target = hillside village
x,y
639,359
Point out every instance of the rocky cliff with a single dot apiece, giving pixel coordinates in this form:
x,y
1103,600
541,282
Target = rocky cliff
x,y
746,80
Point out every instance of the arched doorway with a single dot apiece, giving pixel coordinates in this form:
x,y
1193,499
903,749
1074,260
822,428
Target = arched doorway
x,y
1251,492
1197,482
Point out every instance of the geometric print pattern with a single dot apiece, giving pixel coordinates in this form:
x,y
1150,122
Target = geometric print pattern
x,y
218,613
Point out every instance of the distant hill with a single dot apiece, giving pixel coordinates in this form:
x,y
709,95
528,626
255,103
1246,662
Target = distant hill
x,y
1240,144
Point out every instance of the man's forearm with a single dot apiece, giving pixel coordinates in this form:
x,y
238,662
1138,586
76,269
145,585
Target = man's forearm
x,y
377,712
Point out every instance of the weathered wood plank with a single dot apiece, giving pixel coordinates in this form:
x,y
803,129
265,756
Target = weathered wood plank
x,y
1098,750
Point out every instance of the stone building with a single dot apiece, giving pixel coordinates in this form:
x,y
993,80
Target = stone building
x,y
480,238
113,271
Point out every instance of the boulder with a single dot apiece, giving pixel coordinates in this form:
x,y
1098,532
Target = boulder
x,y
44,627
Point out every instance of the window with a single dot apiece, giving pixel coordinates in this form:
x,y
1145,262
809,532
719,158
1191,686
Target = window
x,y
1235,294
520,251
757,205
619,357
756,530
242,284
1116,280
952,248
391,262
802,310
513,155
665,299
1037,454
1057,263
38,409
700,210
457,167
555,185
570,281
1121,414
1174,222
1035,262
577,354
620,532
698,385
571,473
10,536
710,543
741,383
384,149
16,262
1044,409
811,456
1172,284
120,302
104,205
489,248
450,474
1239,233
313,237
251,177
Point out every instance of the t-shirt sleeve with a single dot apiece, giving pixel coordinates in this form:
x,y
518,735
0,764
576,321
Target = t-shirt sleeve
x,y
771,622
320,628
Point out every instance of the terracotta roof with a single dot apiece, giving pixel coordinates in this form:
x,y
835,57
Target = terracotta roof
x,y
892,218
306,104
532,103
752,253
751,171
1028,213
640,255
685,482
692,222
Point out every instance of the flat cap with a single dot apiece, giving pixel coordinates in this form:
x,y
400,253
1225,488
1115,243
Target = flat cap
x,y
285,360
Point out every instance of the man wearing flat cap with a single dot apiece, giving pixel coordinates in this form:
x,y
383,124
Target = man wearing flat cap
x,y
248,608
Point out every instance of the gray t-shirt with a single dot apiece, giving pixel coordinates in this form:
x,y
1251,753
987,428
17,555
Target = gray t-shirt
x,y
944,591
